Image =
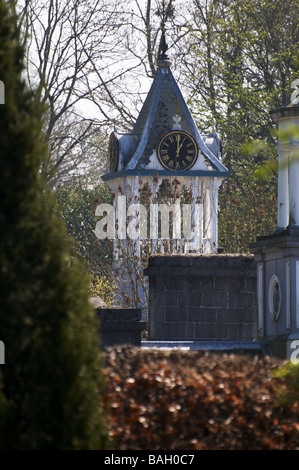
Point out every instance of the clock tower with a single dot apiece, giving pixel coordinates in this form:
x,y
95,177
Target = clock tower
x,y
165,160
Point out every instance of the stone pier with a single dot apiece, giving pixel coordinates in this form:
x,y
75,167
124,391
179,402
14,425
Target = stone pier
x,y
202,298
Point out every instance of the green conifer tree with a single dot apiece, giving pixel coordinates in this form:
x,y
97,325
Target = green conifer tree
x,y
51,379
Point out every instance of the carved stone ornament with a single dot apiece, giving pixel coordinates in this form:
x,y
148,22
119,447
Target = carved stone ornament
x,y
274,297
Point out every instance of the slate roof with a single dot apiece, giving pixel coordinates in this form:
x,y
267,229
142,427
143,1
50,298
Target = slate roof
x,y
155,119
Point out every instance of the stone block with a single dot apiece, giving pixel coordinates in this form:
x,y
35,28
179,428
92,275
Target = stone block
x,y
228,284
250,315
169,331
175,314
202,314
190,298
167,298
156,260
214,299
171,283
230,315
207,283
158,313
242,299
158,283
250,284
241,331
210,331
185,261
118,314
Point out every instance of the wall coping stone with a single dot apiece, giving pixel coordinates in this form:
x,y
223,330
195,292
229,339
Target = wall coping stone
x,y
205,345
203,265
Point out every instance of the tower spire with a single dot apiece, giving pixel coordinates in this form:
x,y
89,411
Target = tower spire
x,y
164,13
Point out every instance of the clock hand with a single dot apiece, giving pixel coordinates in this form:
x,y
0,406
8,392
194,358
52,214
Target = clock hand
x,y
178,144
182,143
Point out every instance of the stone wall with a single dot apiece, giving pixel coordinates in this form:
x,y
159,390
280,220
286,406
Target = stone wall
x,y
120,325
202,297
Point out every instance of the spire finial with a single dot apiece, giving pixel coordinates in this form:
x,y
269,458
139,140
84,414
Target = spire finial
x,y
164,13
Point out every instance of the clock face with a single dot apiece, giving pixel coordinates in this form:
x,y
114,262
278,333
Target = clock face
x,y
113,152
177,150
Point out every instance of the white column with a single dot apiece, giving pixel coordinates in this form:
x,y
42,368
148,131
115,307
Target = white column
x,y
154,226
211,214
154,215
260,298
115,241
294,190
207,218
297,293
196,216
116,194
214,214
283,188
136,200
118,190
121,216
209,226
288,294
119,204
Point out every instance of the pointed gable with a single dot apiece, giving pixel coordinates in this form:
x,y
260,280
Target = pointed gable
x,y
165,110
165,101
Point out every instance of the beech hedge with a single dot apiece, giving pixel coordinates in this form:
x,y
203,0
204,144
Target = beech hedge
x,y
191,400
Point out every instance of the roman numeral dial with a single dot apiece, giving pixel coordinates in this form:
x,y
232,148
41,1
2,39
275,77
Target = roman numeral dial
x,y
177,150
